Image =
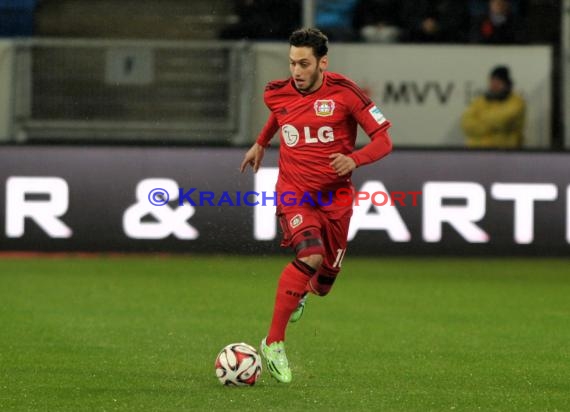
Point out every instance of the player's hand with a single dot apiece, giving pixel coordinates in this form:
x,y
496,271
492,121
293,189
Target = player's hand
x,y
253,157
342,164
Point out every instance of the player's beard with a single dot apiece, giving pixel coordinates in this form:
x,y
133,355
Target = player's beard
x,y
312,81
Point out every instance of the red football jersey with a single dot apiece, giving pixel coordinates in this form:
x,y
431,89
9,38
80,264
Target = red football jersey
x,y
316,125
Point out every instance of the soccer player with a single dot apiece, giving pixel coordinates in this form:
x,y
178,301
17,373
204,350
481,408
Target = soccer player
x,y
318,113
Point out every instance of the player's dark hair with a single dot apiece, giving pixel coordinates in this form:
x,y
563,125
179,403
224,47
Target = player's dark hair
x,y
313,38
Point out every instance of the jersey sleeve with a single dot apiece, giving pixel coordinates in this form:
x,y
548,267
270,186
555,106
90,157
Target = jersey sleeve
x,y
376,126
272,125
268,131
380,146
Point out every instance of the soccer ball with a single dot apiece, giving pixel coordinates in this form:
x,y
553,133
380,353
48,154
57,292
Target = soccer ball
x,y
238,364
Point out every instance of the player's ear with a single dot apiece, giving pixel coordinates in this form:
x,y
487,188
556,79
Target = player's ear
x,y
323,63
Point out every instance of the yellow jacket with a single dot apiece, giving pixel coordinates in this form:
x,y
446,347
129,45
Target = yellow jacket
x,y
495,123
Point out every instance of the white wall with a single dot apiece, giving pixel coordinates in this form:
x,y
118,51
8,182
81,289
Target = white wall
x,y
439,82
6,59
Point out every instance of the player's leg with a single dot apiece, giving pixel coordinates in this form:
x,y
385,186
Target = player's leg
x,y
301,230
335,233
290,289
334,236
314,261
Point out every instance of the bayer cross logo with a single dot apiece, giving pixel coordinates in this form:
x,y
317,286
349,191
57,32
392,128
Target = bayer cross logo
x,y
290,135
296,221
324,107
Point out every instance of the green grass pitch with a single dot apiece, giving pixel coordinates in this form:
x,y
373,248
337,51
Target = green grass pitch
x,y
142,333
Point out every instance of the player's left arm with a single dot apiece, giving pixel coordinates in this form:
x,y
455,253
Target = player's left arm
x,y
376,126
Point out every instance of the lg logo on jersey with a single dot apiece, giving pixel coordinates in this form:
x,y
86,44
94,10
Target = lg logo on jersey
x,y
291,135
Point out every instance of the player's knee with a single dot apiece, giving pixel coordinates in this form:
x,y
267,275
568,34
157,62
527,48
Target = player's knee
x,y
309,247
314,261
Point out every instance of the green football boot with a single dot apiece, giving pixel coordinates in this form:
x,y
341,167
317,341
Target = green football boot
x,y
296,315
276,360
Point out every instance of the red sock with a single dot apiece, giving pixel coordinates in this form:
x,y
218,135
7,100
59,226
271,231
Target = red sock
x,y
322,281
309,288
290,289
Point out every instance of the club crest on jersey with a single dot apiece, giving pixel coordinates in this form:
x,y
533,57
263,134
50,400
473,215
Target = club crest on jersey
x,y
296,221
324,107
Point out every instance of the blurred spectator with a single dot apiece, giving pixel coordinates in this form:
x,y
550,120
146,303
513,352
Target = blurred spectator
x,y
496,119
378,20
435,20
334,18
498,26
264,19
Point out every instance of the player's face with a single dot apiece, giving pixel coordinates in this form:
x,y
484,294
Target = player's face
x,y
306,69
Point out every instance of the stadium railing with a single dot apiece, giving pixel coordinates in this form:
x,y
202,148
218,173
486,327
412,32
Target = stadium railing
x,y
124,90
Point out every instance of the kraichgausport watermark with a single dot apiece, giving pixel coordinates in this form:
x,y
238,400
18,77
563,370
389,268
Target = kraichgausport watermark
x,y
340,197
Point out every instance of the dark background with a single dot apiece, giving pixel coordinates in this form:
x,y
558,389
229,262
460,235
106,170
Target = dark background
x,y
102,183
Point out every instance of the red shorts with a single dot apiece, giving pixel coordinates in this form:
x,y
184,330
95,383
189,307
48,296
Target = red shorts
x,y
332,224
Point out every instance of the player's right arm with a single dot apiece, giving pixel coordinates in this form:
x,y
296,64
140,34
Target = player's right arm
x,y
254,155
